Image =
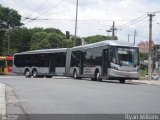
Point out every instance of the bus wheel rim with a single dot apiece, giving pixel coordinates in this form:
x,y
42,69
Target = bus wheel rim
x,y
75,74
27,73
97,75
34,74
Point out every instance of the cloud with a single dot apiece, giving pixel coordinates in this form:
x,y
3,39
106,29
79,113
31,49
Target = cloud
x,y
95,16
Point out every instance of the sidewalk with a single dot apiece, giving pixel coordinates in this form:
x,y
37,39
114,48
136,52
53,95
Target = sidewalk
x,y
151,82
2,99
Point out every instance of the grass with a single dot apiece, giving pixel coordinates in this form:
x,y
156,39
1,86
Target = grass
x,y
143,73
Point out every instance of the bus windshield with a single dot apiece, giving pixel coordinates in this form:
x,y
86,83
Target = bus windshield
x,y
127,56
2,63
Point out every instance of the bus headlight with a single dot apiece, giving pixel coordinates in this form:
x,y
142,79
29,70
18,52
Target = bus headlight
x,y
116,68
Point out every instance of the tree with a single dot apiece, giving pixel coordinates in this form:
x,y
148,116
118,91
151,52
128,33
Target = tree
x,y
97,38
9,19
54,30
40,40
20,40
56,40
36,29
49,38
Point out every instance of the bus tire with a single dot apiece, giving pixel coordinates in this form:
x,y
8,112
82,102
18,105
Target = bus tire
x,y
122,80
93,79
75,74
40,76
27,73
34,73
48,76
97,76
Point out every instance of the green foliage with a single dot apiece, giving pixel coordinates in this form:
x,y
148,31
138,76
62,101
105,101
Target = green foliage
x,y
97,38
54,30
1,42
9,18
20,39
143,56
48,38
143,73
40,40
68,43
56,40
36,29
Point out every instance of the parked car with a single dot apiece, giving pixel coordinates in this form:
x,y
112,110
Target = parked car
x,y
155,76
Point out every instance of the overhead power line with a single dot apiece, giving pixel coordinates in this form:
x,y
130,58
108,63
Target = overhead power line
x,y
135,20
54,6
132,21
85,20
40,6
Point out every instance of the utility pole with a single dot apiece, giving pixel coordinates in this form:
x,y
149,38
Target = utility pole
x,y
135,33
9,42
113,30
76,24
128,37
150,46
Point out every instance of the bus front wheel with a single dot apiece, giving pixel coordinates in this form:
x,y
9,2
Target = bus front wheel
x,y
27,73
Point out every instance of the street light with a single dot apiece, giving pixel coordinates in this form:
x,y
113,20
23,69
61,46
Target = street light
x,y
108,31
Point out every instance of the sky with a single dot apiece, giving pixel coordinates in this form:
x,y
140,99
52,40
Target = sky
x,y
94,16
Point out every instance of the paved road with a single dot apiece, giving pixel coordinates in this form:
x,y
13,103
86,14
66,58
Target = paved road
x,y
66,95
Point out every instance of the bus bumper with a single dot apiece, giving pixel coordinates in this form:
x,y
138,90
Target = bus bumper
x,y
112,73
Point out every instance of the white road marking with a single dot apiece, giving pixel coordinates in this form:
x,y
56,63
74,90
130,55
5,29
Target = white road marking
x,y
2,99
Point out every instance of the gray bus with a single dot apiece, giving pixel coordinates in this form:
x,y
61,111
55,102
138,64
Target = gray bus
x,y
104,60
40,63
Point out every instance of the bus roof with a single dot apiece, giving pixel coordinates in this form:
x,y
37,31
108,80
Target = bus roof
x,y
106,42
43,51
9,57
2,57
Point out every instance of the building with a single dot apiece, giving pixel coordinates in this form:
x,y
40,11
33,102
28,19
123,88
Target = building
x,y
144,46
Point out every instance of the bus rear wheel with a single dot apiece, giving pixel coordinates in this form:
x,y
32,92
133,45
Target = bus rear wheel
x,y
27,73
34,73
75,74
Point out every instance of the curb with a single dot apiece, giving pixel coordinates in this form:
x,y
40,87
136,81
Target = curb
x,y
152,82
2,99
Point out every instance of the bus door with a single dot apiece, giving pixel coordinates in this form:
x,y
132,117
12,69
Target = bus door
x,y
3,65
81,68
105,62
52,64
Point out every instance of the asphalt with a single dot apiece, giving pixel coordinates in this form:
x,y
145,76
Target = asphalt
x,y
3,92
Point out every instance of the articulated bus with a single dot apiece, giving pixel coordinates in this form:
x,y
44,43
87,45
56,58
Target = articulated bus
x,y
104,60
40,63
3,65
